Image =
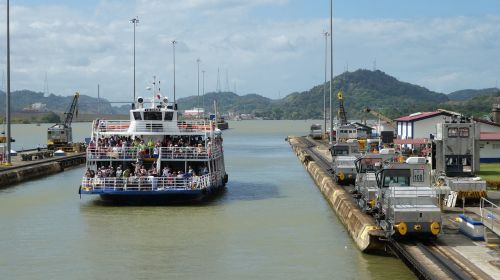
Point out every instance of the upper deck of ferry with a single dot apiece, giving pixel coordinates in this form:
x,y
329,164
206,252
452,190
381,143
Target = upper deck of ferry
x,y
160,119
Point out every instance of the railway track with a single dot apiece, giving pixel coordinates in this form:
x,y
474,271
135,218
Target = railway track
x,y
426,259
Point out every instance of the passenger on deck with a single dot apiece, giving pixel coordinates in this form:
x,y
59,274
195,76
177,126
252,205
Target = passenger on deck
x,y
165,172
88,174
143,171
153,171
119,172
204,171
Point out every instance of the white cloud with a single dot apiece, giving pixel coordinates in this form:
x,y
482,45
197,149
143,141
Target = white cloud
x,y
79,49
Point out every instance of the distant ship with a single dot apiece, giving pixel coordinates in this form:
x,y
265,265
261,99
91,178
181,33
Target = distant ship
x,y
154,157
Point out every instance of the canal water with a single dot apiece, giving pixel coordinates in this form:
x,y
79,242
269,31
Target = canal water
x,y
271,223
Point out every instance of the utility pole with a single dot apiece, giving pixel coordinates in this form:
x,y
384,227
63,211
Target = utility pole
x,y
99,100
173,46
8,135
331,72
324,85
134,21
198,101
203,90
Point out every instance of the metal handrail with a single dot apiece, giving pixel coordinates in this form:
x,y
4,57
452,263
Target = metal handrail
x,y
107,126
488,214
148,183
132,153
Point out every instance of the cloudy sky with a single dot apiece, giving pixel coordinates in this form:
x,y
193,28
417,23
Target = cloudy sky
x,y
269,47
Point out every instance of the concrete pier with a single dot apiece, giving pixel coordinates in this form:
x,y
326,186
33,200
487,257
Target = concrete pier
x,y
27,170
361,227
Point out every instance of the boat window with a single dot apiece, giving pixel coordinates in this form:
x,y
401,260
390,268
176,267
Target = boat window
x,y
396,177
464,132
152,116
137,116
452,132
169,116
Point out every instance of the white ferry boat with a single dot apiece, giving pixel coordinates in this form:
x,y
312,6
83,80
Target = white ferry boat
x,y
154,157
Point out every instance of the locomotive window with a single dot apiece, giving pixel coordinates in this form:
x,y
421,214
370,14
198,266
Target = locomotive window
x,y
137,116
452,132
169,116
340,151
152,116
464,132
371,164
397,177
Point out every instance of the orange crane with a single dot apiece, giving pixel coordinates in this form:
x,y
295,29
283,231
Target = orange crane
x,y
389,121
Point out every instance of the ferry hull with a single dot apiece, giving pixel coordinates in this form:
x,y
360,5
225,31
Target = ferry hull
x,y
157,197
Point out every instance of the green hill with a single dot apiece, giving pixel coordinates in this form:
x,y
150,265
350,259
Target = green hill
x,y
86,104
228,101
478,106
466,94
362,88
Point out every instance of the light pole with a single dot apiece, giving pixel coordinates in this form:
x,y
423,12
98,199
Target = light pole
x,y
173,47
198,101
8,159
331,71
324,85
203,91
134,21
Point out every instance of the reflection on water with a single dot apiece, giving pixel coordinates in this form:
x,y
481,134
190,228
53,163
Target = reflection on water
x,y
271,223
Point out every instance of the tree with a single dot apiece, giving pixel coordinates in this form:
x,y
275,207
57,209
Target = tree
x,y
51,117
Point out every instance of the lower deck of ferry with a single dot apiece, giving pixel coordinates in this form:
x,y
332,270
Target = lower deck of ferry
x,y
155,196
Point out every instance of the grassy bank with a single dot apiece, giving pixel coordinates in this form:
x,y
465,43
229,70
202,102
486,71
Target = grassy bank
x,y
491,173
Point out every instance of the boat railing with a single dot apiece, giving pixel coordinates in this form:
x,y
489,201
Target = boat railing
x,y
118,126
149,183
162,153
190,152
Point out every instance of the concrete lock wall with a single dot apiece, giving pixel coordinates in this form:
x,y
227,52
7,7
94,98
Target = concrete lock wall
x,y
361,227
27,173
24,173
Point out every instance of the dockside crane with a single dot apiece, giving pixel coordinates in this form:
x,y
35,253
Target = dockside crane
x,y
387,120
341,113
60,136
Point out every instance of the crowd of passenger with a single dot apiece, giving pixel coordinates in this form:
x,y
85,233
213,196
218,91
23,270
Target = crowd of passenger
x,y
136,147
139,170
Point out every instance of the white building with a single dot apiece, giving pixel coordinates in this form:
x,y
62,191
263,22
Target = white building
x,y
417,129
195,112
490,147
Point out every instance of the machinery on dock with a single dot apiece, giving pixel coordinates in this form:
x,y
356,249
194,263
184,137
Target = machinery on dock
x,y
342,115
406,204
343,157
316,131
455,158
366,184
60,135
